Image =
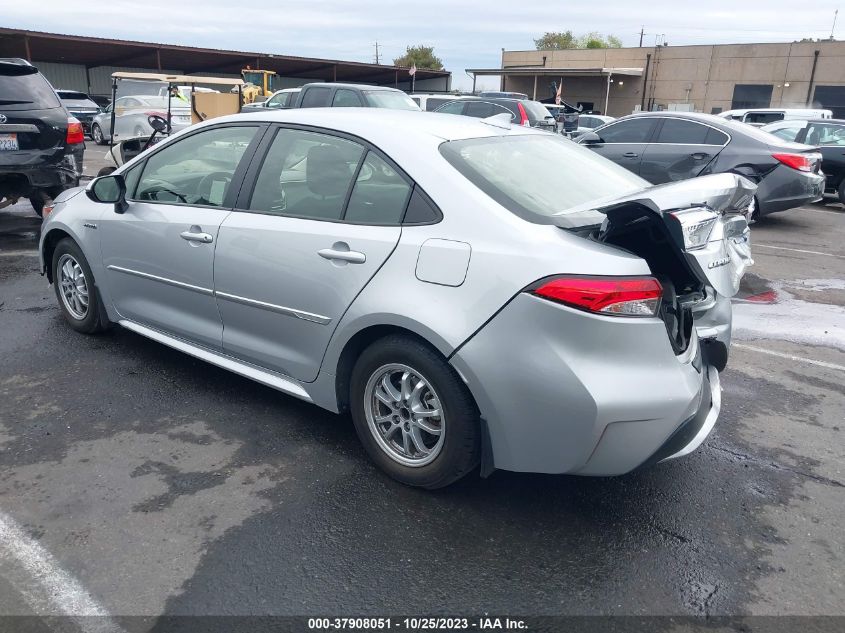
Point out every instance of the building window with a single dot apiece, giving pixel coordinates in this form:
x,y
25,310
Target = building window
x,y
830,98
752,96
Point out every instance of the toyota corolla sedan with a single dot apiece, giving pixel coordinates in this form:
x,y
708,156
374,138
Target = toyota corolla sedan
x,y
476,295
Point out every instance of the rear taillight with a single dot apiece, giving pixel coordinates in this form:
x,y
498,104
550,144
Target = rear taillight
x,y
74,131
801,162
523,115
620,296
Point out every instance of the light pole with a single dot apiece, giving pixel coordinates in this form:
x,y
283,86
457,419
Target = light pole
x,y
607,94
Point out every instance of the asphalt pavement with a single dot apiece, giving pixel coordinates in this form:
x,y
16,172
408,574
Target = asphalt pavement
x,y
135,480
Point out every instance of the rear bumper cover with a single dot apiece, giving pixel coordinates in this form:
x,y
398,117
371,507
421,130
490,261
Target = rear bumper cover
x,y
786,188
564,391
44,169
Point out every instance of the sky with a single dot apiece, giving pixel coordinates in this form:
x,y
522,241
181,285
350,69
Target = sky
x,y
464,33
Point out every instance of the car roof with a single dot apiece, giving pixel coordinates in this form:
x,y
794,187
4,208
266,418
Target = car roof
x,y
711,119
383,124
333,84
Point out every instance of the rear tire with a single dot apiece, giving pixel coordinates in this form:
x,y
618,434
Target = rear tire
x,y
432,385
76,291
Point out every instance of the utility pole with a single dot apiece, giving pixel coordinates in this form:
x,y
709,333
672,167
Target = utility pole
x,y
642,32
377,57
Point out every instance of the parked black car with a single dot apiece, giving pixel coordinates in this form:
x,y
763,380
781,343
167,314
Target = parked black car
x,y
523,111
667,146
335,95
826,134
41,145
81,106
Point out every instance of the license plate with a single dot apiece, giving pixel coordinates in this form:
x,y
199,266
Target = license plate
x,y
8,142
182,119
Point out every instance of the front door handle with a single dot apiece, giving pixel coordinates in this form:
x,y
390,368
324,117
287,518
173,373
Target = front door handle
x,y
340,252
194,236
630,155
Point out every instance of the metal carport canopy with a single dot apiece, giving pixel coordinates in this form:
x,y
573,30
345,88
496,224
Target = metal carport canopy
x,y
556,72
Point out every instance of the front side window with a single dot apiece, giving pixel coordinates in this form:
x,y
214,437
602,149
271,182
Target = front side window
x,y
278,100
344,98
432,103
306,174
540,177
197,169
636,130
786,133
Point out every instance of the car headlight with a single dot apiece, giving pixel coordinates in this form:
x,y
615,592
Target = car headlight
x,y
696,226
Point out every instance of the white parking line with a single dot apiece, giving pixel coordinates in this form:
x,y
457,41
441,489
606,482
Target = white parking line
x,y
809,361
823,211
795,250
47,588
18,253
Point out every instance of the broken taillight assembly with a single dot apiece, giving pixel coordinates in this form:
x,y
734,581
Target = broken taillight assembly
x,y
612,296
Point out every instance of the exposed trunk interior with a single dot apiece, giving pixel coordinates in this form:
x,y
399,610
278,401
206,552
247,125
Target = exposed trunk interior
x,y
644,233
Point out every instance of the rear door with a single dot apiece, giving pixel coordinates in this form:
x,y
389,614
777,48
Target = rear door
x,y
830,139
625,141
323,215
681,149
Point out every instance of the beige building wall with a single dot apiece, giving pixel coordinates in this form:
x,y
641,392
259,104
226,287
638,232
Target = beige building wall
x,y
704,76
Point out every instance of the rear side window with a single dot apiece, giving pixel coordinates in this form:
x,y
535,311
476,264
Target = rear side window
x,y
307,175
455,107
682,132
825,134
24,88
380,194
316,98
480,109
631,131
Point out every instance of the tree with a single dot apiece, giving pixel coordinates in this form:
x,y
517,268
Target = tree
x,y
555,41
420,56
565,39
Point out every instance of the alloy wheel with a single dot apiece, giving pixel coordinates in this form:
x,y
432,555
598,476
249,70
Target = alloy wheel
x,y
404,415
97,134
73,286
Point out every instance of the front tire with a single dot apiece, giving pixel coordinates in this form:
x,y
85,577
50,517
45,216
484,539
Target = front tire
x,y
413,413
97,135
76,291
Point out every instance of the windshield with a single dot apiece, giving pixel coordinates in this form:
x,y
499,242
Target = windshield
x,y
23,88
540,177
389,99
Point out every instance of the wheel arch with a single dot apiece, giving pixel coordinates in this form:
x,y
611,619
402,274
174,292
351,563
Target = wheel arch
x,y
364,337
48,246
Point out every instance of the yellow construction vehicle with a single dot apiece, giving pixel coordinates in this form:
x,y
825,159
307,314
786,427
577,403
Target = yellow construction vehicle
x,y
258,83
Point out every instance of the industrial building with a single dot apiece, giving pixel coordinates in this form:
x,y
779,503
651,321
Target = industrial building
x,y
711,78
86,63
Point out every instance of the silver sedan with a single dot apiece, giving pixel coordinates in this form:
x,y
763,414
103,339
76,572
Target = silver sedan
x,y
477,296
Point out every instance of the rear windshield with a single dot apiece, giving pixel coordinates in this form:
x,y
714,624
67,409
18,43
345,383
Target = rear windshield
x,y
535,110
541,177
731,126
389,99
24,88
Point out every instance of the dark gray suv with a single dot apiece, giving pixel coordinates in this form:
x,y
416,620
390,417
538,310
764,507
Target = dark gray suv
x,y
669,146
41,145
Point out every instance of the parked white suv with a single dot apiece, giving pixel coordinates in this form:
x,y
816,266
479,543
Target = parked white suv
x,y
764,116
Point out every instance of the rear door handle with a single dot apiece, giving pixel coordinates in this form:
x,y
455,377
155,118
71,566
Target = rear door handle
x,y
193,236
340,252
630,155
698,156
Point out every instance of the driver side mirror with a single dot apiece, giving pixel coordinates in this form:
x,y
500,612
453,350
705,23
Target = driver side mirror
x,y
589,138
109,189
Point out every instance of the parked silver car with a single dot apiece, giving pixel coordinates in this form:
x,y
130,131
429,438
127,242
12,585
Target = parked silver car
x,y
471,292
131,117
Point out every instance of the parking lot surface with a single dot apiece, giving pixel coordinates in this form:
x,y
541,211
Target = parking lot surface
x,y
148,482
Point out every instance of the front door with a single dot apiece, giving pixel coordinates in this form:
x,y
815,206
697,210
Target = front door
x,y
624,142
159,254
323,216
